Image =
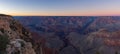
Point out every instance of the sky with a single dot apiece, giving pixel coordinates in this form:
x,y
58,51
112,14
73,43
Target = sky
x,y
60,7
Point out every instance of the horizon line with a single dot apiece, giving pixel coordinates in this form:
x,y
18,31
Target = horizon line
x,y
65,15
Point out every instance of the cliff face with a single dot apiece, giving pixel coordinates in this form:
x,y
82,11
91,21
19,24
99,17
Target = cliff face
x,y
14,38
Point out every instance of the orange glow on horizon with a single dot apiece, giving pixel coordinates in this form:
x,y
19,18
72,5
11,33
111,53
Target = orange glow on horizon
x,y
83,13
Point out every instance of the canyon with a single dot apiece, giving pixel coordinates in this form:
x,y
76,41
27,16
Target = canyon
x,y
59,34
74,34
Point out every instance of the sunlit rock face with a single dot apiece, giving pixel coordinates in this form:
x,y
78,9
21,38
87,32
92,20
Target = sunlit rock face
x,y
74,34
14,38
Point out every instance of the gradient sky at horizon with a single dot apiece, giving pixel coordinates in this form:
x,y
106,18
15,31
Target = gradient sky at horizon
x,y
60,7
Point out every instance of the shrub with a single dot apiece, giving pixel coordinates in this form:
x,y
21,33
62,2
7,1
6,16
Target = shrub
x,y
97,52
116,52
3,43
13,27
2,30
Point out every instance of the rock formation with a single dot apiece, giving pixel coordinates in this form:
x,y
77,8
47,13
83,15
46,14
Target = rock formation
x,y
74,34
15,39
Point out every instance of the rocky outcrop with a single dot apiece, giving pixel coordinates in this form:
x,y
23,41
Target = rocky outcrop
x,y
16,39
